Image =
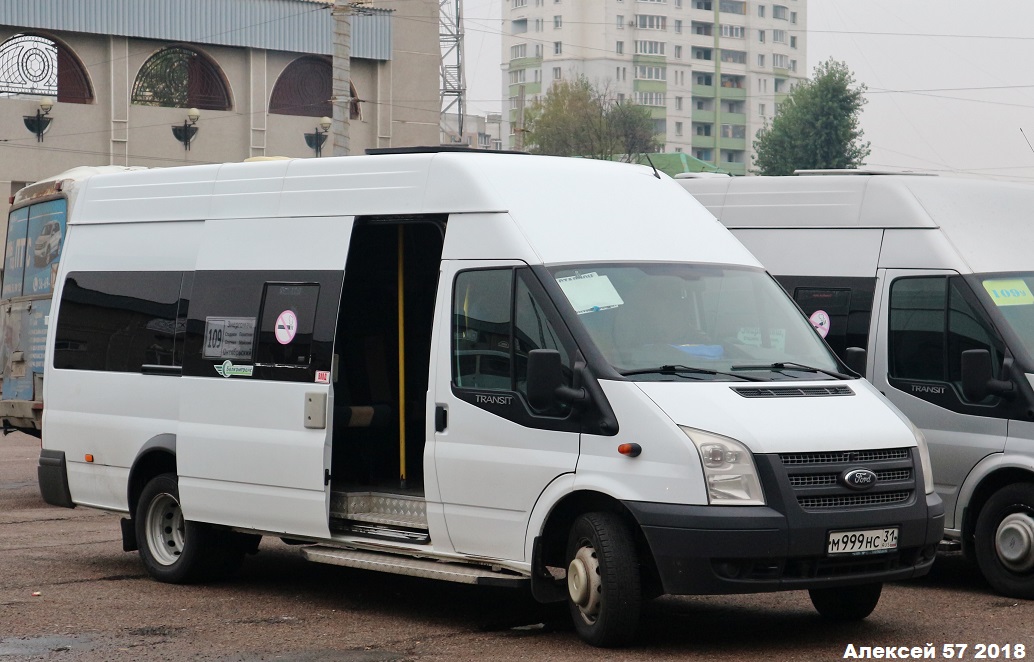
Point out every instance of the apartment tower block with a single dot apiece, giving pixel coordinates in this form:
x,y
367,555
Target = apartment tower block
x,y
711,71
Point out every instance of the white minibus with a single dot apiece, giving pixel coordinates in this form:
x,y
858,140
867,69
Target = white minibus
x,y
932,277
487,368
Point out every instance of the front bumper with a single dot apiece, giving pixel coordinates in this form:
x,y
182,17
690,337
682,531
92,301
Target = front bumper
x,y
782,546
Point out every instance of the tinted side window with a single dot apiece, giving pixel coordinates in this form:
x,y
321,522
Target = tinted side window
x,y
918,312
532,329
967,329
233,320
845,304
499,316
285,326
481,329
119,321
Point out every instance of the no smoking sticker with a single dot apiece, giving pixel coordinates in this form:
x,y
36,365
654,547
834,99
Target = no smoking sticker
x,y
286,327
820,320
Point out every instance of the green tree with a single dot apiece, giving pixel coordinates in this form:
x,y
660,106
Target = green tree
x,y
576,118
816,126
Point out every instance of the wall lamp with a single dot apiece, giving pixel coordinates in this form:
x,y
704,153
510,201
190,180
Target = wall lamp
x,y
315,140
185,132
39,122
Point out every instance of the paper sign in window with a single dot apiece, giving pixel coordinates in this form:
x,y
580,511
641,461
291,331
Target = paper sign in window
x,y
1011,292
589,293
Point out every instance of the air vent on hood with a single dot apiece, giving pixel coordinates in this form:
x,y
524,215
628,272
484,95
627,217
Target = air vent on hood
x,y
791,391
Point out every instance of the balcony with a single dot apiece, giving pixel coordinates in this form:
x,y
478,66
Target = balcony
x,y
733,168
732,143
733,118
703,142
529,89
703,90
703,116
732,93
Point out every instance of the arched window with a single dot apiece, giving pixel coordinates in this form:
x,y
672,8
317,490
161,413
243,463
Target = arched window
x,y
36,65
305,88
178,77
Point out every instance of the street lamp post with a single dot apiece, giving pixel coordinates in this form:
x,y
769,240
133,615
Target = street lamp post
x,y
39,122
185,132
316,139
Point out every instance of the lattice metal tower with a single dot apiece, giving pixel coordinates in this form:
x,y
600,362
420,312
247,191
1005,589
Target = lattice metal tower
x,y
454,84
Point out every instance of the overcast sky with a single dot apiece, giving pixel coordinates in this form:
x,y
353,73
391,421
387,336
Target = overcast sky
x,y
950,84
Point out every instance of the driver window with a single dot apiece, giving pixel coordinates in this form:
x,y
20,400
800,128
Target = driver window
x,y
498,318
481,329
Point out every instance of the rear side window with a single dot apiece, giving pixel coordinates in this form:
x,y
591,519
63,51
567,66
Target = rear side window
x,y
121,321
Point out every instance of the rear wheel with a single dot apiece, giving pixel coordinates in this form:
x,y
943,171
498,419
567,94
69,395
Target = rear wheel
x,y
178,551
1004,541
603,582
847,603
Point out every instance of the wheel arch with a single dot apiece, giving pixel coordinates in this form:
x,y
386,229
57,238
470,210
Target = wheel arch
x,y
550,547
983,491
157,456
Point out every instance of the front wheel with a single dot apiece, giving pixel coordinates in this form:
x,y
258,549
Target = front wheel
x,y
175,550
1004,541
847,603
603,582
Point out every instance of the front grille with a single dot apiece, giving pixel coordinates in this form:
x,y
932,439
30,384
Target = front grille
x,y
791,391
816,480
844,456
817,483
853,500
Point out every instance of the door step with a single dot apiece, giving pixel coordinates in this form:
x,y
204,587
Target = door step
x,y
389,510
405,565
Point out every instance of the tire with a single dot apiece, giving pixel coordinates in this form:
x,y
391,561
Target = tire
x,y
846,603
603,580
1004,541
178,551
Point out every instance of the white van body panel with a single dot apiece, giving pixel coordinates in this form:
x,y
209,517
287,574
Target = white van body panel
x,y
921,249
855,251
486,237
668,467
773,425
490,470
275,243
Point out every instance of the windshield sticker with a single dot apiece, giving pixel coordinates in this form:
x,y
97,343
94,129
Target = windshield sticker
x,y
702,351
286,327
229,338
820,320
228,369
590,293
752,336
1013,292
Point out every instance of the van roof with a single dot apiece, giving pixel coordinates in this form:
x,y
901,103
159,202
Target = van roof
x,y
565,208
987,221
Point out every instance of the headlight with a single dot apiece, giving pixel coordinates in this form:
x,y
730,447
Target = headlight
x,y
729,471
924,458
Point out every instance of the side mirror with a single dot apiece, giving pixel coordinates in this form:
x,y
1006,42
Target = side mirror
x,y
977,378
546,381
855,359
545,376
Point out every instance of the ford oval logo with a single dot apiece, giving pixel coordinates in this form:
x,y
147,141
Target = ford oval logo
x,y
858,479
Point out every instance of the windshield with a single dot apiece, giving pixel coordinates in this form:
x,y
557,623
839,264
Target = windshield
x,y
691,321
1009,299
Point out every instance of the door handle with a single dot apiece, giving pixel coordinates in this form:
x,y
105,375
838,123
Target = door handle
x,y
441,418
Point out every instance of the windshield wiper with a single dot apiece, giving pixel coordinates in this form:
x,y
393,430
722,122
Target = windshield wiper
x,y
789,365
676,369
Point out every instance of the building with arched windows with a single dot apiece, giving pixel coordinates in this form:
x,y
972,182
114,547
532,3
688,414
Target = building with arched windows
x,y
123,76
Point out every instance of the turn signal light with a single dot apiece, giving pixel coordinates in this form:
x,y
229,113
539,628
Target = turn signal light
x,y
89,457
631,450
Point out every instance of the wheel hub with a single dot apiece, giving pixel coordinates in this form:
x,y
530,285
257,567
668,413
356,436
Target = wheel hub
x,y
1014,542
584,584
165,529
